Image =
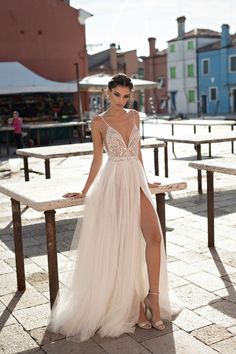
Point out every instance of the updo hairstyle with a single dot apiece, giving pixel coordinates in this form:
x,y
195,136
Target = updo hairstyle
x,y
120,80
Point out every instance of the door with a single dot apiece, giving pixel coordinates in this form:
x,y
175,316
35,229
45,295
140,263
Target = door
x,y
234,100
173,102
204,104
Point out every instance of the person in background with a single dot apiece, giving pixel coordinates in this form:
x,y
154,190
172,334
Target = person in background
x,y
16,122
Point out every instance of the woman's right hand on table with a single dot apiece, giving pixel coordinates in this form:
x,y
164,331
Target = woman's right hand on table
x,y
74,195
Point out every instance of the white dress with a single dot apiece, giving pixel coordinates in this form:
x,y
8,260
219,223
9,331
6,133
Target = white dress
x,y
110,279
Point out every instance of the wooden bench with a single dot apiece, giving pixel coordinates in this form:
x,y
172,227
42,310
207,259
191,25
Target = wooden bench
x,y
46,196
51,152
222,165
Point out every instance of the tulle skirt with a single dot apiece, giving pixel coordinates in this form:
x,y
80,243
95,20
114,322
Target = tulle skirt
x,y
109,278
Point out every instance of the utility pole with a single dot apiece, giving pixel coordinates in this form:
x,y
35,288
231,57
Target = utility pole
x,y
78,90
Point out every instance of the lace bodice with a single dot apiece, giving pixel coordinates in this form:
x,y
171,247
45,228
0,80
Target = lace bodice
x,y
116,147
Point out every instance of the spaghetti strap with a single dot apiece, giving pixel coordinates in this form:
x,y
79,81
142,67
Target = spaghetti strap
x,y
105,121
134,118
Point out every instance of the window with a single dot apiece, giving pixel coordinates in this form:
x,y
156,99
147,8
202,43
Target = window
x,y
213,93
205,66
190,70
161,82
172,48
190,45
232,63
172,72
141,73
191,96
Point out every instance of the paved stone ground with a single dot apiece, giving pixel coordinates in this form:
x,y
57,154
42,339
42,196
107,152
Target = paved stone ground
x,y
204,279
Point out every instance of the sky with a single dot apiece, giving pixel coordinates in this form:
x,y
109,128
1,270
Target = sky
x,y
129,23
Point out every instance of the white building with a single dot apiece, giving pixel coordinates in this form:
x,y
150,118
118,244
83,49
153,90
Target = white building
x,y
182,67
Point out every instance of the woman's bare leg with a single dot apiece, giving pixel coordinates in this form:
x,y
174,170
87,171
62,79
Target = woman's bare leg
x,y
152,235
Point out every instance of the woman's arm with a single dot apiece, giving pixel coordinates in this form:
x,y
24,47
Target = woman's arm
x,y
96,162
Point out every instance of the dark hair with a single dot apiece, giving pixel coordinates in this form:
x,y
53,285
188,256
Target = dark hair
x,y
120,80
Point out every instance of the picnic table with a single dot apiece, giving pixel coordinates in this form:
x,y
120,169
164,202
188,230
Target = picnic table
x,y
197,140
200,122
52,152
46,196
221,165
54,125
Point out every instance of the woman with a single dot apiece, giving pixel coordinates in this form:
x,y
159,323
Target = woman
x,y
112,283
16,122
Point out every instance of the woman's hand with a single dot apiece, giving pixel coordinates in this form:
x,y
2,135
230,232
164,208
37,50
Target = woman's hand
x,y
154,184
74,195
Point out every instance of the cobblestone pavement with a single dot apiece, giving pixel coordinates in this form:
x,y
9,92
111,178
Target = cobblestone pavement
x,y
204,279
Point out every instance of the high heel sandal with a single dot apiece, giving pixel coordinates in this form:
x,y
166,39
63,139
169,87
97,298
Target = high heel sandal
x,y
144,325
156,324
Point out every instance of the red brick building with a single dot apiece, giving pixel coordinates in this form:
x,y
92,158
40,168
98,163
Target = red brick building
x,y
155,69
112,61
45,36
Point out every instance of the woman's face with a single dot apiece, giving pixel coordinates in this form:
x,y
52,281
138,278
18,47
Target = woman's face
x,y
119,96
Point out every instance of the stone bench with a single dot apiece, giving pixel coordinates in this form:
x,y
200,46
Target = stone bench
x,y
52,152
46,196
219,165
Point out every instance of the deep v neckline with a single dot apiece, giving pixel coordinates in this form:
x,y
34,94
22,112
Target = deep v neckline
x,y
126,145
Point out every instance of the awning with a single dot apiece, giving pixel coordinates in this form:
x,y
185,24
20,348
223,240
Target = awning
x,y
16,78
99,81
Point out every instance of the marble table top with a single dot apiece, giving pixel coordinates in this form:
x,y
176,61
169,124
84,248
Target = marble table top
x,y
67,150
47,152
48,194
199,138
200,122
221,165
52,125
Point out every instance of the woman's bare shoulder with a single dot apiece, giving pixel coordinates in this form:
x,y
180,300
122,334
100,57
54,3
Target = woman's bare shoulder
x,y
97,123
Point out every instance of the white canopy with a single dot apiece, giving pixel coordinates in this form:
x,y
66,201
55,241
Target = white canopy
x,y
16,78
100,81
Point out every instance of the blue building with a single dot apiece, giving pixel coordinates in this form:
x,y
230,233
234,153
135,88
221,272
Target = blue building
x,y
217,75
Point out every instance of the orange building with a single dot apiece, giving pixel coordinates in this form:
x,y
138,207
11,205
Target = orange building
x,y
155,69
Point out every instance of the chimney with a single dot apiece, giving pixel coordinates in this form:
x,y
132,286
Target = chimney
x,y
113,58
152,44
225,40
181,26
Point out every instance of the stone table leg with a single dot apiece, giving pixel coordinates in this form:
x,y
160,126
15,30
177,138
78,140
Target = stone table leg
x,y
232,143
209,131
166,160
160,205
199,172
52,254
156,161
47,168
17,231
26,168
210,208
